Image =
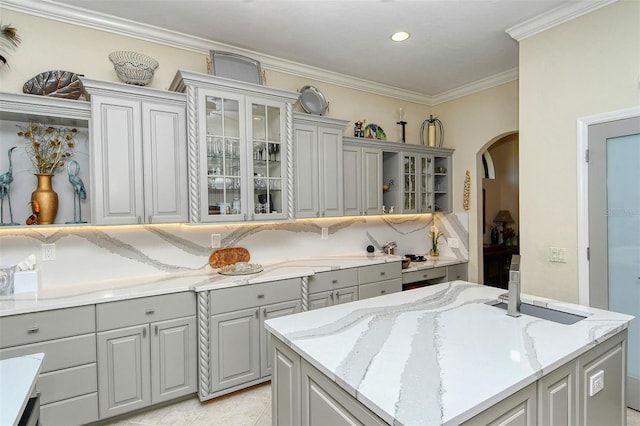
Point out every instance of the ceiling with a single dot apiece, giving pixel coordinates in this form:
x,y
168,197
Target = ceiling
x,y
453,43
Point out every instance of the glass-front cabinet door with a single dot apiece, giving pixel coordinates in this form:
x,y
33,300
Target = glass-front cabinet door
x,y
242,158
268,175
222,156
426,184
410,179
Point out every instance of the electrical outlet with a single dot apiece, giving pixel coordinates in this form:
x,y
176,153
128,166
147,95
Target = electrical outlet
x,y
452,242
596,383
325,233
48,252
216,241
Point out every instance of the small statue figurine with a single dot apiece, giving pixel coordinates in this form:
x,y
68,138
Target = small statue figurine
x,y
5,182
358,131
79,190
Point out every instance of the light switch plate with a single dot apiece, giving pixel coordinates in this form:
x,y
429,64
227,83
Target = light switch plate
x,y
216,241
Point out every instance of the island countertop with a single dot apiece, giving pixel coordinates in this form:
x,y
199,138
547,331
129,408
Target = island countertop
x,y
438,354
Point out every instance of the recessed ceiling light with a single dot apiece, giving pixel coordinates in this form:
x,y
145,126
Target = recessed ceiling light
x,y
400,36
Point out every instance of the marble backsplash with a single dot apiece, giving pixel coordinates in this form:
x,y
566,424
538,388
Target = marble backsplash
x,y
90,254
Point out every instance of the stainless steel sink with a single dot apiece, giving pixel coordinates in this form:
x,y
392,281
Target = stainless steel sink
x,y
541,312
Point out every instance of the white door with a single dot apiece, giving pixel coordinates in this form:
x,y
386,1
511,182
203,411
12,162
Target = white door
x,y
614,230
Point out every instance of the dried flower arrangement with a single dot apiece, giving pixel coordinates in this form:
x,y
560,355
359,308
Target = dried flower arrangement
x,y
48,146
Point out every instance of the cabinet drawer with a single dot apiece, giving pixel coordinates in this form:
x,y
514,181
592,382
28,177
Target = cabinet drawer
x,y
424,275
76,411
457,272
380,272
126,313
380,288
47,325
332,280
58,354
252,295
67,383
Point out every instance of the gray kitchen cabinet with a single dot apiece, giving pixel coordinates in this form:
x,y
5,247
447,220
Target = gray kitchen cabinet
x,y
241,344
67,381
362,174
333,288
235,342
301,395
424,277
601,383
317,153
237,345
139,155
557,396
146,351
515,410
380,279
457,272
239,137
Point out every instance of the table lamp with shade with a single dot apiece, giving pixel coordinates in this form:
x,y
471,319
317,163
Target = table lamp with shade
x,y
503,217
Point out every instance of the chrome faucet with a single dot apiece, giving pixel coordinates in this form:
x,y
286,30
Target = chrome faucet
x,y
513,303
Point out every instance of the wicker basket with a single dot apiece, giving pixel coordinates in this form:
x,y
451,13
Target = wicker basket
x,y
133,68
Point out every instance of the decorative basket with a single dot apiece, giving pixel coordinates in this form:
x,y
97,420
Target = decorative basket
x,y
133,68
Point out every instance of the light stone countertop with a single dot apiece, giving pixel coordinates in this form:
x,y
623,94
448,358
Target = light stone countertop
x,y
201,280
18,378
438,354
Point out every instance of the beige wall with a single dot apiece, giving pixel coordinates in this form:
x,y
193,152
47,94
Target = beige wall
x,y
471,125
51,45
586,66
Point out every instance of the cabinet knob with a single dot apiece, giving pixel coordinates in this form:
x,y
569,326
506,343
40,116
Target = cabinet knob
x,y
32,330
261,296
150,311
383,273
334,281
383,291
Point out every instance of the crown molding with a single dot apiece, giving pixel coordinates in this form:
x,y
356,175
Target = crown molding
x,y
94,20
555,17
476,86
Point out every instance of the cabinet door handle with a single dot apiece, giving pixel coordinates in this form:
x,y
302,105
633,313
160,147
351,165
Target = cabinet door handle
x,y
261,296
264,312
149,219
334,282
150,311
139,219
337,294
383,273
257,313
144,333
331,297
383,291
32,330
156,330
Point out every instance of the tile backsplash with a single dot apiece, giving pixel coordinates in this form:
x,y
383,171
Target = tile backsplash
x,y
90,254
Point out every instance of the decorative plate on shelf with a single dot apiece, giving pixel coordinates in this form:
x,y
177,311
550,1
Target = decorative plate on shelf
x,y
246,269
373,131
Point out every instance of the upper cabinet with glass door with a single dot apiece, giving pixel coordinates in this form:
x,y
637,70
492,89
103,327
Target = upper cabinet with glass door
x,y
241,136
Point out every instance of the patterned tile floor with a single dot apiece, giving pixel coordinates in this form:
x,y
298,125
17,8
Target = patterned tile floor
x,y
250,407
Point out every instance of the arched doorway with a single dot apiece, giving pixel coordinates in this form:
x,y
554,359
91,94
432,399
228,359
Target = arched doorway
x,y
498,208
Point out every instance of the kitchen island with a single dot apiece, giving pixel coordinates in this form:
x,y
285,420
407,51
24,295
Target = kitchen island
x,y
442,355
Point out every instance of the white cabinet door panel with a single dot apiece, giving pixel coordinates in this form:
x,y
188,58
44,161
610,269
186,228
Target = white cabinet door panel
x,y
165,154
372,181
352,180
117,161
306,179
330,164
268,312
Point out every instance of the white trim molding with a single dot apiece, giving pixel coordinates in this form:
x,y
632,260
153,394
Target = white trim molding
x,y
555,17
583,191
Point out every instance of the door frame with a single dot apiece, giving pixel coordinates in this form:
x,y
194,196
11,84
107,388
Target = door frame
x,y
583,124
